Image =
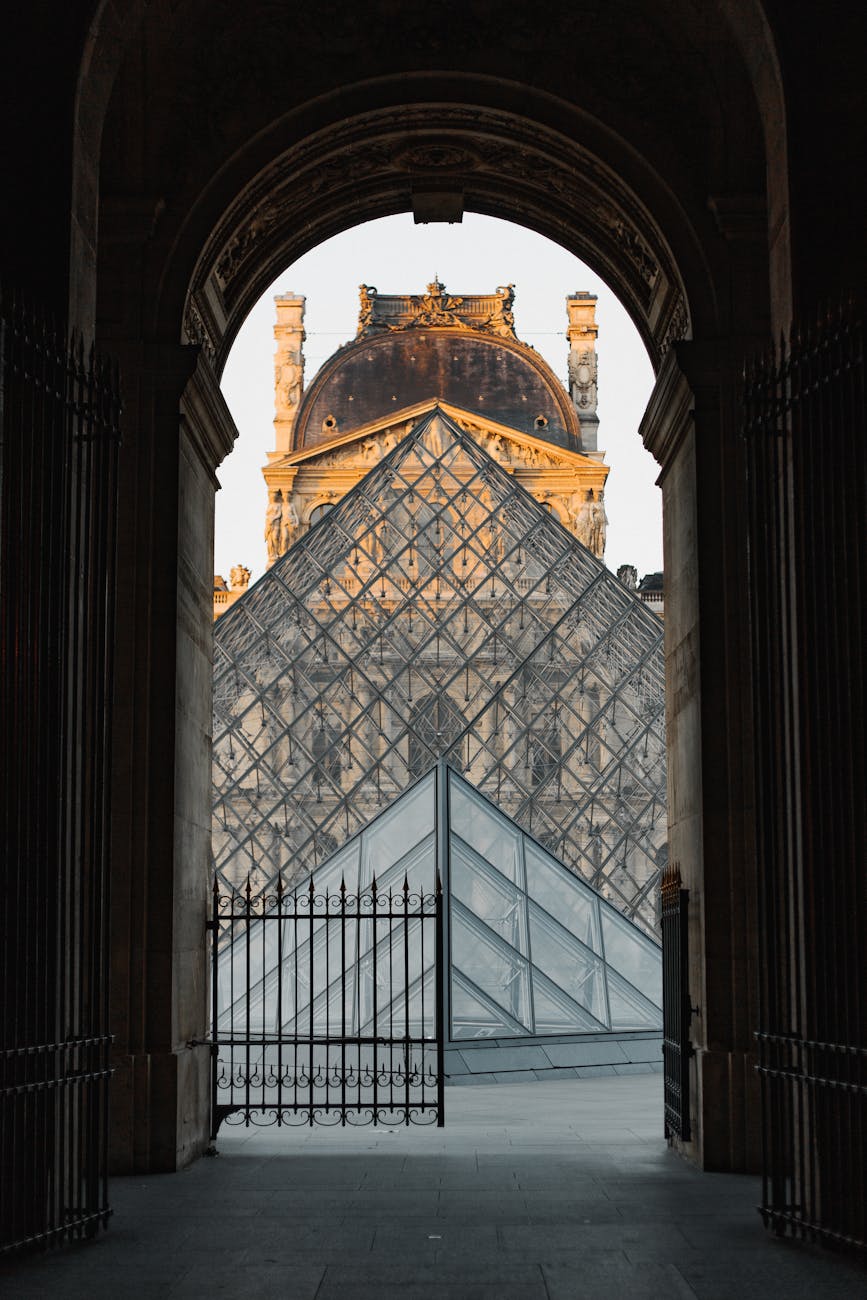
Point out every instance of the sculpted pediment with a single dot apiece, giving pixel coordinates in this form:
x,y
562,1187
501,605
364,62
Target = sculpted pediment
x,y
365,447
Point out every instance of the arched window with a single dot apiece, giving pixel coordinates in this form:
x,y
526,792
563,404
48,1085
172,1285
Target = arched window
x,y
318,512
543,755
326,754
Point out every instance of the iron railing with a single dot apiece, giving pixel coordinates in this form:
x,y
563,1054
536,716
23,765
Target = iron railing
x,y
676,1004
806,443
59,432
327,1008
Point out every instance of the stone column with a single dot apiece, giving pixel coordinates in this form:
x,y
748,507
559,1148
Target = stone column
x,y
690,426
176,430
288,367
582,332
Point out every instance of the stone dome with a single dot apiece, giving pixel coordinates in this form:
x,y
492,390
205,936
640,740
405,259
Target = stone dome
x,y
496,377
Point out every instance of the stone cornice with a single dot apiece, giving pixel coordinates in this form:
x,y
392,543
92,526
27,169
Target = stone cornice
x,y
207,418
411,414
688,381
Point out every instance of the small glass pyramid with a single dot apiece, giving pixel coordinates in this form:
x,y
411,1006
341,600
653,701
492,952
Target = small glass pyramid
x,y
438,610
533,951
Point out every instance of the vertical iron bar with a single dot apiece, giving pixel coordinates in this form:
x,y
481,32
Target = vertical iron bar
x,y
327,1000
281,1031
215,1001
248,939
342,1000
310,896
406,1026
375,1004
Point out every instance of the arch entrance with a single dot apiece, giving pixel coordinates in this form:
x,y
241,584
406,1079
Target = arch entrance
x,y
169,307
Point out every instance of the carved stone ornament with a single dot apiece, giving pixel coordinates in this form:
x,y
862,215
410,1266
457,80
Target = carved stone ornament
x,y
197,332
482,313
576,195
582,379
677,327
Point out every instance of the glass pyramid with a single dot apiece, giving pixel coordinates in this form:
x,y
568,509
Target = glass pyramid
x,y
533,950
438,610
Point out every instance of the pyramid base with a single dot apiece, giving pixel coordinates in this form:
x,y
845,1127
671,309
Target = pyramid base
x,y
507,1060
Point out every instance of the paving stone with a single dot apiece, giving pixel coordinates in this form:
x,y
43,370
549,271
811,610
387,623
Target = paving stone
x,y
555,1192
497,1059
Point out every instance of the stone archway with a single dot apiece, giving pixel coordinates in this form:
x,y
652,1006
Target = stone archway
x,y
193,225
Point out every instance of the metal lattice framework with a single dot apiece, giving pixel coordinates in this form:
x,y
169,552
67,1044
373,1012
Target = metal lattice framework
x,y
439,609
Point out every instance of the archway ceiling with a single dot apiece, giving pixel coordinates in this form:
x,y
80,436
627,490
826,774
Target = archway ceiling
x,y
257,131
371,166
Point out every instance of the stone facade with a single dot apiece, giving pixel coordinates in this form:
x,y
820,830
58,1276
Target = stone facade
x,y
317,459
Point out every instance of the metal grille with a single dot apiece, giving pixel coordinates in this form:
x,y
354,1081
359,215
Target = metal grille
x,y
327,1007
59,419
806,441
439,610
676,1004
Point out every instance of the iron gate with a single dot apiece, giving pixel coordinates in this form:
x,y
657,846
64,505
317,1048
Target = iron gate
x,y
59,436
806,444
327,1008
676,1004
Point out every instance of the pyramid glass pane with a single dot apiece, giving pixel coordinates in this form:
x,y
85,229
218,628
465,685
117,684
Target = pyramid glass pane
x,y
439,611
520,964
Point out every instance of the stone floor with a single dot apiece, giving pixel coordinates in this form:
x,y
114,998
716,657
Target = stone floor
x,y
534,1190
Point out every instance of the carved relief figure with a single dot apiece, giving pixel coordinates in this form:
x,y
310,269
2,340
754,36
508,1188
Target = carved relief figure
x,y
290,381
273,517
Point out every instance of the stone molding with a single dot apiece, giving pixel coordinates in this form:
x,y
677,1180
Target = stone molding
x,y
206,417
477,151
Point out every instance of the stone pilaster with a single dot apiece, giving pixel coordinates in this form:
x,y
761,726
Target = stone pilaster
x,y
288,367
176,431
690,426
582,332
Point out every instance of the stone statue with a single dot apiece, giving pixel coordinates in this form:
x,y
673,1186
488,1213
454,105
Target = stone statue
x,y
598,528
580,514
239,578
273,525
289,522
366,295
502,319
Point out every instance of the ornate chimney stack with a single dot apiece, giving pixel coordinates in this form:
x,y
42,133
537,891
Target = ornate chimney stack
x,y
288,367
581,309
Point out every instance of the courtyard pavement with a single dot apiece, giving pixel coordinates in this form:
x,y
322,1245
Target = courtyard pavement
x,y
542,1191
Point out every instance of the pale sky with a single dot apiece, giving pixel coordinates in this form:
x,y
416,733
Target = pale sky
x,y
473,257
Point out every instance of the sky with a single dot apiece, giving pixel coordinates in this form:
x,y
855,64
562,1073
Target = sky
x,y
474,256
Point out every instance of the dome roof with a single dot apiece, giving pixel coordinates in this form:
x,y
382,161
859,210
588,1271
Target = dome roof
x,y
496,377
